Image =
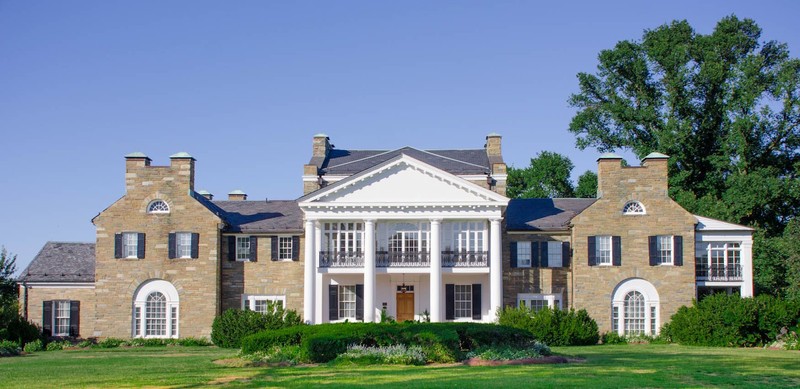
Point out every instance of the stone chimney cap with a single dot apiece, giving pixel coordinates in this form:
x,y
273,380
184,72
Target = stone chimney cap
x,y
236,192
321,135
656,156
137,154
203,192
182,154
493,134
609,156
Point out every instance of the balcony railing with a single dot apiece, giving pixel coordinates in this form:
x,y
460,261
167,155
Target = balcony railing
x,y
465,258
341,259
707,272
402,259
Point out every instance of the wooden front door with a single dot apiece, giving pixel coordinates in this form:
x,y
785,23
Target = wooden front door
x,y
405,306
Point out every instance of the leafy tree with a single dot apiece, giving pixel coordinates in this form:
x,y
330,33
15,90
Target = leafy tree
x,y
8,286
547,176
726,108
587,185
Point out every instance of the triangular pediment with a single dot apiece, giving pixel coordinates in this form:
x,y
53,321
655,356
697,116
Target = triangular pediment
x,y
404,180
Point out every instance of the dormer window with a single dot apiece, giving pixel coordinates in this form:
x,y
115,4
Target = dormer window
x,y
633,208
158,206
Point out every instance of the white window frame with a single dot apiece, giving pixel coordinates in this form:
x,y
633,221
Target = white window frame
x,y
555,254
183,245
634,208
285,247
249,301
59,316
347,237
651,306
242,253
465,236
462,297
172,309
130,245
347,295
153,203
551,300
524,254
665,257
600,249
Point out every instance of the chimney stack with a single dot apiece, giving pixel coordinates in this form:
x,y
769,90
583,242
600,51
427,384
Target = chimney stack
x,y
493,143
184,164
607,166
237,195
321,146
206,194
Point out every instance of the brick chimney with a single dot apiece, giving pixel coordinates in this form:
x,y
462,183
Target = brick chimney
x,y
608,165
183,164
237,195
135,163
493,145
320,146
206,194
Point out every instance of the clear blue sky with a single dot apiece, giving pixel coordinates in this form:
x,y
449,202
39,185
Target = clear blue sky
x,y
243,86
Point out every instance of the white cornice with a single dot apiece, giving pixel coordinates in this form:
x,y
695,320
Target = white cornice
x,y
58,285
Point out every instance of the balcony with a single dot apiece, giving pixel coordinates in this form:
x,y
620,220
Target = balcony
x,y
402,259
341,259
465,258
706,272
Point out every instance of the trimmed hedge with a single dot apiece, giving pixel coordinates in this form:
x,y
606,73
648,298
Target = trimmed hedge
x,y
553,327
441,342
732,321
229,328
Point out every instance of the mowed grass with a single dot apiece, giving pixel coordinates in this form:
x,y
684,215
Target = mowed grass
x,y
601,366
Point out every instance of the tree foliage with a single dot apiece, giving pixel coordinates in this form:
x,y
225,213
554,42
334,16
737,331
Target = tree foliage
x,y
8,286
587,185
726,108
548,176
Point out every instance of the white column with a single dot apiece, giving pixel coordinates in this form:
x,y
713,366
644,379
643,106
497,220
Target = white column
x,y
369,271
318,288
747,269
436,271
310,270
495,269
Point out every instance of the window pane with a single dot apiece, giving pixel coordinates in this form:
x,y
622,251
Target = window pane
x,y
184,244
463,301
664,249
524,254
634,313
554,254
155,315
61,325
603,249
347,301
285,247
130,244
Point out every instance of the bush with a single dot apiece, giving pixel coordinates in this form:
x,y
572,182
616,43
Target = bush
x,y
290,355
506,353
9,348
110,343
234,324
15,328
731,321
35,346
553,327
614,338
56,346
86,343
387,355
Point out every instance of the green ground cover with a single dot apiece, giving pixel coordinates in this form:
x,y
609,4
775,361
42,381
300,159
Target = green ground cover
x,y
602,366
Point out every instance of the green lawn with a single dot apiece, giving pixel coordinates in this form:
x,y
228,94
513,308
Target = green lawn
x,y
604,366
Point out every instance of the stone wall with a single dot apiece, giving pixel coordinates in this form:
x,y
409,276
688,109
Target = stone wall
x,y
38,294
534,279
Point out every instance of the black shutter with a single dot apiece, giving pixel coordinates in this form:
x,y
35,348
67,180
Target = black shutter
x,y
47,318
74,318
566,253
117,245
592,250
295,248
534,254
195,245
274,240
231,248
171,242
476,301
333,302
616,247
449,302
253,249
513,249
678,249
653,245
359,301
140,245
544,261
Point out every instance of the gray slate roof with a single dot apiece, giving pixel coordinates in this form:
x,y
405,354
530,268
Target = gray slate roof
x,y
348,162
61,262
543,214
261,216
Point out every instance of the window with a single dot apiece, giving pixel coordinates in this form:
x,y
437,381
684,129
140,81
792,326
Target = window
x,y
554,254
343,237
615,319
634,311
156,310
60,317
155,315
184,244
158,206
720,260
653,328
285,248
524,254
464,236
262,303
463,301
536,302
242,248
664,249
130,245
603,250
347,301
633,208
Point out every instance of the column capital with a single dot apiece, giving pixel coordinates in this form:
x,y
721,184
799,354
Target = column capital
x,y
436,220
369,221
496,220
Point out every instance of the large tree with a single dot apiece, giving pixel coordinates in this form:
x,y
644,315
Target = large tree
x,y
548,176
8,286
726,108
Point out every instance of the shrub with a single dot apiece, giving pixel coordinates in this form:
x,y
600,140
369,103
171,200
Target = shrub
x,y
389,355
110,343
14,327
86,343
290,355
9,348
35,346
229,328
553,327
614,338
58,345
506,353
731,321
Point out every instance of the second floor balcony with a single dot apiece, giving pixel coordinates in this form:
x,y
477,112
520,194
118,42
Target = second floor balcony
x,y
417,259
718,272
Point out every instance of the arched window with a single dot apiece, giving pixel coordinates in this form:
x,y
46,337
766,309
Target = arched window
x,y
158,206
633,208
155,310
634,313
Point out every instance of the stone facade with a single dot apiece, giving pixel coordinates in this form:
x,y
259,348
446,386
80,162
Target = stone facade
x,y
35,296
535,279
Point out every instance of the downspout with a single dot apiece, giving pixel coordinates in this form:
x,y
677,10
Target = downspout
x,y
24,300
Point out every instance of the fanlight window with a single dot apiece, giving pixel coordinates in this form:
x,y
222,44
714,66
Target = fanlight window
x,y
158,206
633,208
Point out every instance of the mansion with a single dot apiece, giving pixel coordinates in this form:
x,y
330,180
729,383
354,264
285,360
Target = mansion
x,y
417,234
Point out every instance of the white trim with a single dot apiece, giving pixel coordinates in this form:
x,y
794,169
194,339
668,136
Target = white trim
x,y
57,285
140,302
549,297
631,213
150,204
291,248
249,300
651,299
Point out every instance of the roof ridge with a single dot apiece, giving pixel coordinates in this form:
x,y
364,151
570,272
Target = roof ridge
x,y
69,242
